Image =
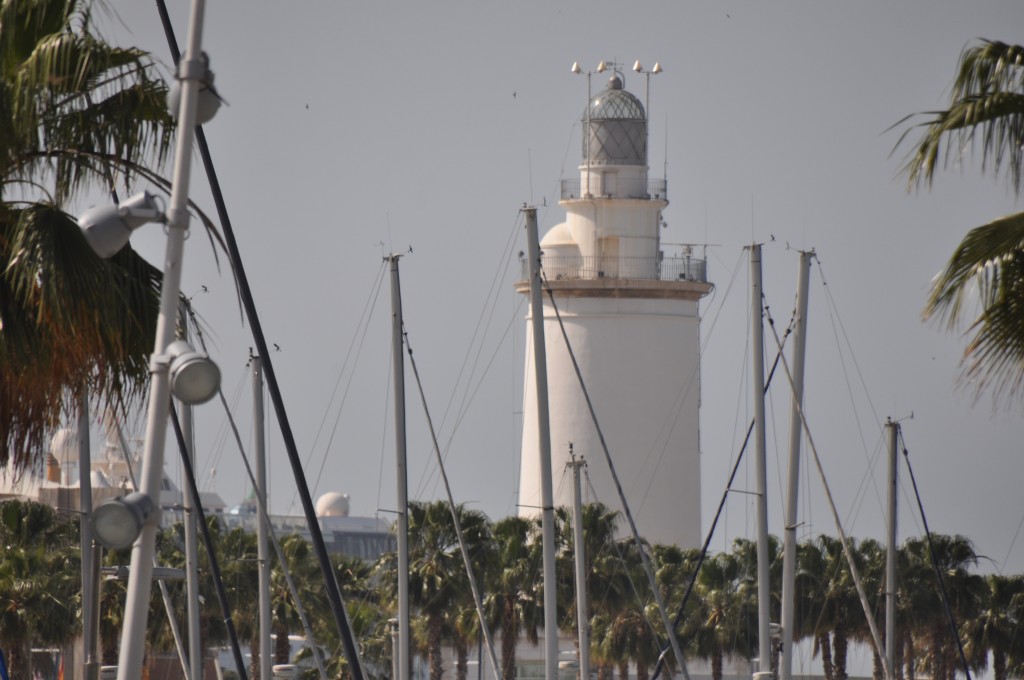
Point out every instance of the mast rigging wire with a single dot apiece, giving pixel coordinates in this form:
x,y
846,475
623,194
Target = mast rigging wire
x,y
953,629
341,619
211,554
455,515
718,513
644,558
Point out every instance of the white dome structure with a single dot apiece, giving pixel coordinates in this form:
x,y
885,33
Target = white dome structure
x,y
64,445
332,504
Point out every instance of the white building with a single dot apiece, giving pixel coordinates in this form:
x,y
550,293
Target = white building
x,y
631,317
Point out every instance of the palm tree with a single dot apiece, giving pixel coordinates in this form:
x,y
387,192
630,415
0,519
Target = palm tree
x,y
39,585
997,626
725,619
986,107
437,577
75,112
511,595
955,556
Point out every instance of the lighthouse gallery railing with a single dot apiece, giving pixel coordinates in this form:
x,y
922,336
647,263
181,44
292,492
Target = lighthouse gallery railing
x,y
557,268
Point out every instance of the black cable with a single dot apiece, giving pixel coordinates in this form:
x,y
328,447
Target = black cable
x,y
218,581
711,532
953,628
242,283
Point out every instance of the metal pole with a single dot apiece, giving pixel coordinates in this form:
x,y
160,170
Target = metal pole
x,y
795,435
579,550
191,69
893,429
757,350
262,543
393,626
195,642
90,593
544,446
401,473
586,139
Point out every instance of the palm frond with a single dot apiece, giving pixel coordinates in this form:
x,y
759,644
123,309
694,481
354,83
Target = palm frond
x,y
987,97
987,268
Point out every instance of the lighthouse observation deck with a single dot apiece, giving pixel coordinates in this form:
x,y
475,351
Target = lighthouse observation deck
x,y
582,267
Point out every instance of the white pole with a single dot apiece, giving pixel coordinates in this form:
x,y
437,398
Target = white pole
x,y
795,433
757,350
893,429
133,636
401,471
579,550
262,542
195,642
544,446
90,592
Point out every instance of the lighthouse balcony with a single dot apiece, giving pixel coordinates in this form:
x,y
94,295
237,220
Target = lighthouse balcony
x,y
578,267
617,187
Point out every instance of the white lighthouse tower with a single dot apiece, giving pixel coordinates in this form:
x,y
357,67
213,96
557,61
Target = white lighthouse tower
x,y
631,316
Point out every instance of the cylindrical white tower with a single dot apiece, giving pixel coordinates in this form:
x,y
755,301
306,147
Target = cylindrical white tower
x,y
632,322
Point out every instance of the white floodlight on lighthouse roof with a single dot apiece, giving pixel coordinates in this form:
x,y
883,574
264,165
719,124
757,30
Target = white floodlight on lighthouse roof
x,y
656,69
637,67
576,67
602,67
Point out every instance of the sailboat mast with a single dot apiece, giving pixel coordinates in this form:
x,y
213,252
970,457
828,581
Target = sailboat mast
x,y
401,473
795,435
757,350
580,555
262,541
893,429
544,449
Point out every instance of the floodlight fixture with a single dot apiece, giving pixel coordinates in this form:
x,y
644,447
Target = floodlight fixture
x,y
657,68
107,228
209,100
576,67
602,67
117,523
195,379
637,67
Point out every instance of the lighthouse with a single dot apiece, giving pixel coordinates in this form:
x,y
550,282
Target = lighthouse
x,y
630,314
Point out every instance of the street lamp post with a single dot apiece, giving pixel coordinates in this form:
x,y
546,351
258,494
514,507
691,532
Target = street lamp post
x,y
170,363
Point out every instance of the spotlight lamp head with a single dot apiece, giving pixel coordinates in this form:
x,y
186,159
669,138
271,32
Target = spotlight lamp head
x,y
637,67
118,522
602,67
576,67
657,68
108,228
195,379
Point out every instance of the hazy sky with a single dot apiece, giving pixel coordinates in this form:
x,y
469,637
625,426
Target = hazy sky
x,y
357,128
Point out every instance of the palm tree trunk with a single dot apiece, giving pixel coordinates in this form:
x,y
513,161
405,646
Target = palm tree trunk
x,y
642,671
254,649
877,672
909,658
509,639
461,658
716,665
604,672
825,645
434,630
998,664
282,645
624,670
840,645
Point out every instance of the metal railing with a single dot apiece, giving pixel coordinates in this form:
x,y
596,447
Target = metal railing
x,y
652,189
569,268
